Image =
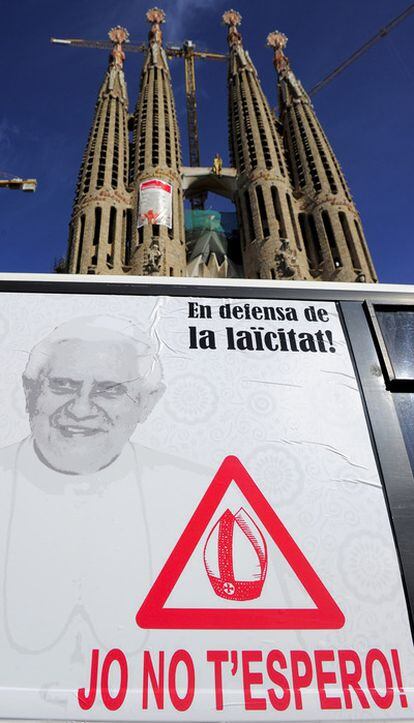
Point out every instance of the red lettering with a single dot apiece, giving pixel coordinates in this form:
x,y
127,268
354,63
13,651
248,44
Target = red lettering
x,y
326,677
181,656
278,702
300,680
351,678
397,669
218,657
252,678
86,701
157,684
376,656
114,702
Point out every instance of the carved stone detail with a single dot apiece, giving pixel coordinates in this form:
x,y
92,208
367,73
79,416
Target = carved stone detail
x,y
152,265
232,18
286,261
119,37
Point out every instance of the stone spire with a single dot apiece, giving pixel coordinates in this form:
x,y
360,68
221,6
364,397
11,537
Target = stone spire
x,y
160,248
330,225
100,231
271,244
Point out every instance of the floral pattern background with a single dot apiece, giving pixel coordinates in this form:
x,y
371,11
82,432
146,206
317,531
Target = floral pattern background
x,y
296,422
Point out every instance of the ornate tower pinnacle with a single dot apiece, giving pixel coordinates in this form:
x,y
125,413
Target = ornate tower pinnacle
x,y
119,37
278,41
155,16
158,206
232,19
330,225
271,245
100,231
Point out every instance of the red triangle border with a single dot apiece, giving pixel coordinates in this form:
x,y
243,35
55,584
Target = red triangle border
x,y
153,615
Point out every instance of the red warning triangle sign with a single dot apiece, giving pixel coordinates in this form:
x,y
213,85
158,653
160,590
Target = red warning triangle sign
x,y
153,613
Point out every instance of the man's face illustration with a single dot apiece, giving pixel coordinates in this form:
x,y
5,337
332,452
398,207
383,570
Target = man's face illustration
x,y
88,403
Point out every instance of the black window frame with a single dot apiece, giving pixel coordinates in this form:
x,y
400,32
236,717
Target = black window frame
x,y
394,381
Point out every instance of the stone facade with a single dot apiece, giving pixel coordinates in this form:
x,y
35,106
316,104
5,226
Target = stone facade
x,y
330,226
264,200
296,216
157,154
101,225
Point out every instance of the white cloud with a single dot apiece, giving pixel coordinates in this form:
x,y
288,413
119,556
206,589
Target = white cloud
x,y
181,15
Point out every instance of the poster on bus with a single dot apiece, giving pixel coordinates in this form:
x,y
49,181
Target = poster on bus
x,y
155,203
192,523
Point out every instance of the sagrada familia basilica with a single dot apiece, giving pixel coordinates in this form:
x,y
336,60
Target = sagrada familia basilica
x,y
294,214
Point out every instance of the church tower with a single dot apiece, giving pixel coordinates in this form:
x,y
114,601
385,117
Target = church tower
x,y
330,225
271,242
158,200
296,218
100,231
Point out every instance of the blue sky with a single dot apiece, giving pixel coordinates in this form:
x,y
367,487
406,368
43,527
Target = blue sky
x,y
49,94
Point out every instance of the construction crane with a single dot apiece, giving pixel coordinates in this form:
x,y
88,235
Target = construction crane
x,y
382,33
187,51
17,183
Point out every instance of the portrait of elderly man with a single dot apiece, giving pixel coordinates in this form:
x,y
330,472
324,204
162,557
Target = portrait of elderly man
x,y
87,386
82,505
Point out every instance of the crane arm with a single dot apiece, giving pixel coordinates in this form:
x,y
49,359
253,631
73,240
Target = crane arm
x,y
97,44
20,184
210,56
363,49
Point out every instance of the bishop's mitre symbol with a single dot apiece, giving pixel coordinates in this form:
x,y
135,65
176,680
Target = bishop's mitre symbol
x,y
235,557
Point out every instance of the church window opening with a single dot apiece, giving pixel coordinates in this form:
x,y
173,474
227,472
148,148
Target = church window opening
x,y
97,225
115,149
128,237
248,205
311,241
80,245
316,245
349,241
278,212
111,234
336,258
170,231
293,222
262,211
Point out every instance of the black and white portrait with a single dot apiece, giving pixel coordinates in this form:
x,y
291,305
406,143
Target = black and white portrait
x,y
81,504
87,385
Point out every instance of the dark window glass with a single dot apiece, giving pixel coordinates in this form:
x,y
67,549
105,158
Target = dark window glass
x,y
404,404
397,327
